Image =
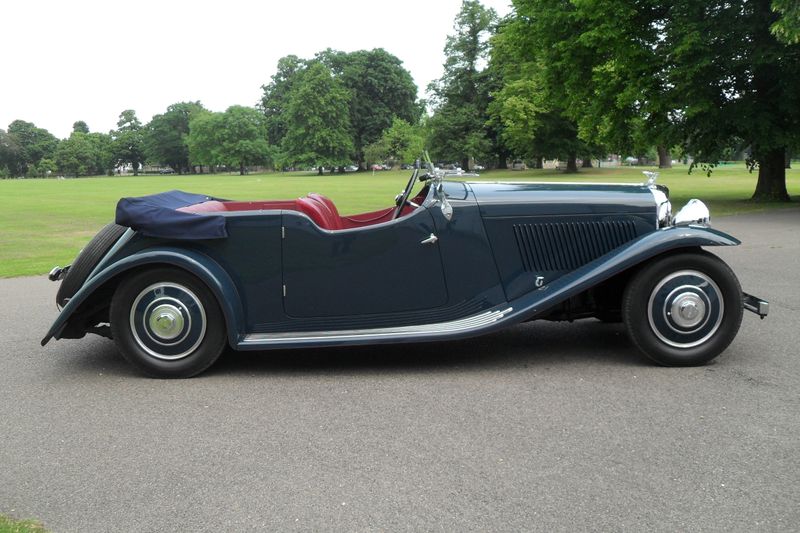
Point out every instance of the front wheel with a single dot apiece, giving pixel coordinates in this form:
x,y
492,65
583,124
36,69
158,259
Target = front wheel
x,y
167,323
683,309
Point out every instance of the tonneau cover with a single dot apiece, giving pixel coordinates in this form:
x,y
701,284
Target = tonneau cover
x,y
157,215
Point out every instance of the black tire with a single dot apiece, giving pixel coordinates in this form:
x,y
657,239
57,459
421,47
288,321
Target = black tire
x,y
86,261
609,317
167,323
683,309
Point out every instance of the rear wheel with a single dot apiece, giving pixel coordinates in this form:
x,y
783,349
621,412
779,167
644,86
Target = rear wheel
x,y
167,323
683,309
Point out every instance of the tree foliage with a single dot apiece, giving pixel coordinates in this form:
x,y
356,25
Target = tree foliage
x,y
165,136
24,145
400,143
377,85
82,154
236,138
634,73
80,126
380,89
460,96
129,141
319,121
276,96
787,27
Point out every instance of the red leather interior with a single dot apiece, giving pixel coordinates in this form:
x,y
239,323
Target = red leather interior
x,y
319,213
320,209
324,200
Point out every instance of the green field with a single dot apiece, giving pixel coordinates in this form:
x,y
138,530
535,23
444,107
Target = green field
x,y
45,222
12,525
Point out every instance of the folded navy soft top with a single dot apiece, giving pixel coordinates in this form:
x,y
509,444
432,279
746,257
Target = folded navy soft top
x,y
157,215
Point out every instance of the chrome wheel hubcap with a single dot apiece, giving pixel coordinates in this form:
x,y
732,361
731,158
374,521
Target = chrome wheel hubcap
x,y
168,321
688,310
685,309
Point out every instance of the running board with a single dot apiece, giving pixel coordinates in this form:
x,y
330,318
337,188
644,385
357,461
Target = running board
x,y
376,335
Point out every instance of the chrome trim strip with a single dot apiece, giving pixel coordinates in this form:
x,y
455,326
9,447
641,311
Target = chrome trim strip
x,y
454,326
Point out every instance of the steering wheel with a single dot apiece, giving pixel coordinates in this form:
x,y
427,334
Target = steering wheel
x,y
402,199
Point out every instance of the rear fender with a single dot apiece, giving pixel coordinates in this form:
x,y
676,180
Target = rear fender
x,y
202,266
634,253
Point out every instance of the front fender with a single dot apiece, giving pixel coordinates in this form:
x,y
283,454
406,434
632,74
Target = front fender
x,y
202,266
633,253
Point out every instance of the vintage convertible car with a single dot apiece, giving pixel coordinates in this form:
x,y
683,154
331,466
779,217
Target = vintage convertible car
x,y
180,275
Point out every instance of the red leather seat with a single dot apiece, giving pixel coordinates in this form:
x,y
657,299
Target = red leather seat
x,y
325,200
319,213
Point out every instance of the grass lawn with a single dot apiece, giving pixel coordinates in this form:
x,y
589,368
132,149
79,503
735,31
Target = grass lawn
x,y
44,222
9,525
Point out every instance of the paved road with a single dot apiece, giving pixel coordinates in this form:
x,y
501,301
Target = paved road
x,y
542,427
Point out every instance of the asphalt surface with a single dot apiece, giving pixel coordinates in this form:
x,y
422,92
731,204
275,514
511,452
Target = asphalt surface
x,y
540,427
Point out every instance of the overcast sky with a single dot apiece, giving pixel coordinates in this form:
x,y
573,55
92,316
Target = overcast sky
x,y
64,60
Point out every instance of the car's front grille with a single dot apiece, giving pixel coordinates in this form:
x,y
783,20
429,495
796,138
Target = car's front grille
x,y
558,246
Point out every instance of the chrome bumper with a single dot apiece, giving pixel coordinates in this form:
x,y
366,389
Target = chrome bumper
x,y
755,304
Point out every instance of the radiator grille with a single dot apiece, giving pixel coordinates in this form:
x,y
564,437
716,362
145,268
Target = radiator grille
x,y
557,246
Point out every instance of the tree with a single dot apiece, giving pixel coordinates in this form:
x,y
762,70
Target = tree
x,y
80,126
529,106
735,84
401,142
8,153
165,136
243,138
82,154
458,126
27,146
235,138
276,97
75,156
787,28
103,161
600,61
202,139
380,89
129,141
318,121
638,72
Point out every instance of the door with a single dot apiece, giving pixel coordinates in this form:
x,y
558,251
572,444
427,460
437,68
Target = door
x,y
385,268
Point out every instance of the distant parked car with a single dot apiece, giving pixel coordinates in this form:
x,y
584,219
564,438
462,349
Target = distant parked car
x,y
166,171
376,166
479,167
350,168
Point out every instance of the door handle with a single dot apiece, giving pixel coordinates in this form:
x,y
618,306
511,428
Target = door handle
x,y
430,240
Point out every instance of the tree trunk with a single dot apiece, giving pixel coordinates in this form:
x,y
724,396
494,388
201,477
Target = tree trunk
x,y
319,171
664,157
771,186
502,161
538,161
135,169
465,164
241,169
587,163
572,163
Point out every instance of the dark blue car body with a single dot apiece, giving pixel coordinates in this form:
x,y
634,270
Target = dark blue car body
x,y
469,259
